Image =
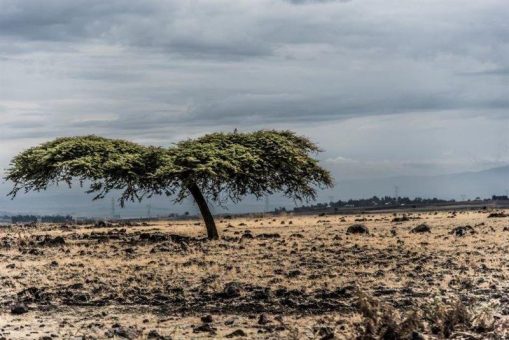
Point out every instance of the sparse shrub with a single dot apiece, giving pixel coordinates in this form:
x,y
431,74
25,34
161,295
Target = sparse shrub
x,y
445,317
382,321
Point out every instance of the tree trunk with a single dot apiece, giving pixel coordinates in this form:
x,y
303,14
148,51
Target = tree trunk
x,y
212,233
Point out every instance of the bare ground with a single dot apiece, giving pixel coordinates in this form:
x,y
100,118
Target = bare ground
x,y
275,277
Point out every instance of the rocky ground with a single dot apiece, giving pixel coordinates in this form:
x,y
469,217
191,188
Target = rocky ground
x,y
370,276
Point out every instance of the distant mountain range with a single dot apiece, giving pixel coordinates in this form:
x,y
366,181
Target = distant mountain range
x,y
452,186
73,201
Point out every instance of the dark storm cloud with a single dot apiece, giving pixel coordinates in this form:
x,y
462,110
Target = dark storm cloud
x,y
56,20
224,30
158,25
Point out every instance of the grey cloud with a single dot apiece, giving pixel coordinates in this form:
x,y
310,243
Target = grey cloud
x,y
300,2
167,27
55,20
156,71
501,72
228,31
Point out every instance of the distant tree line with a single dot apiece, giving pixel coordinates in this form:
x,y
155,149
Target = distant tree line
x,y
44,219
24,218
374,201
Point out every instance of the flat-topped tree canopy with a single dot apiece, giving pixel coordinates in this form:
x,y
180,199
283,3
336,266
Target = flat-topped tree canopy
x,y
257,163
107,164
218,166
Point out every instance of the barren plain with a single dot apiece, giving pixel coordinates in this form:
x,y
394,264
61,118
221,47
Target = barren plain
x,y
273,277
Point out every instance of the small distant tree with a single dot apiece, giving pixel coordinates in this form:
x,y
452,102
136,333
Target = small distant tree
x,y
216,167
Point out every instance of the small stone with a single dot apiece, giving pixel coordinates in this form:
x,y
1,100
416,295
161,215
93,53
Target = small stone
x,y
153,334
294,273
326,333
236,333
205,328
207,319
263,319
19,309
422,228
232,290
417,336
462,231
357,229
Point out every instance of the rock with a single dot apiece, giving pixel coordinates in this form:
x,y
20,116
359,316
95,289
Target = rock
x,y
498,215
265,236
263,319
153,334
34,251
421,228
462,230
101,224
48,241
205,328
231,290
403,218
236,333
294,273
262,294
357,229
57,241
126,333
325,333
207,319
417,336
19,309
153,237
247,235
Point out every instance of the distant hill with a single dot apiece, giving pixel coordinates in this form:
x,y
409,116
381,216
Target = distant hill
x,y
453,186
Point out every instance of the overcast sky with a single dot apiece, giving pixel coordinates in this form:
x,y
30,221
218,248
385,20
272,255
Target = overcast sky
x,y
385,87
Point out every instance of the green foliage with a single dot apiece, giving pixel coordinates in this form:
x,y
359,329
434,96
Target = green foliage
x,y
235,164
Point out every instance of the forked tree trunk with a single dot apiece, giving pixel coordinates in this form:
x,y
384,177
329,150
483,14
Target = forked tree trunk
x,y
210,224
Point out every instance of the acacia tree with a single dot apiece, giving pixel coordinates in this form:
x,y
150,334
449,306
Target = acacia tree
x,y
216,167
